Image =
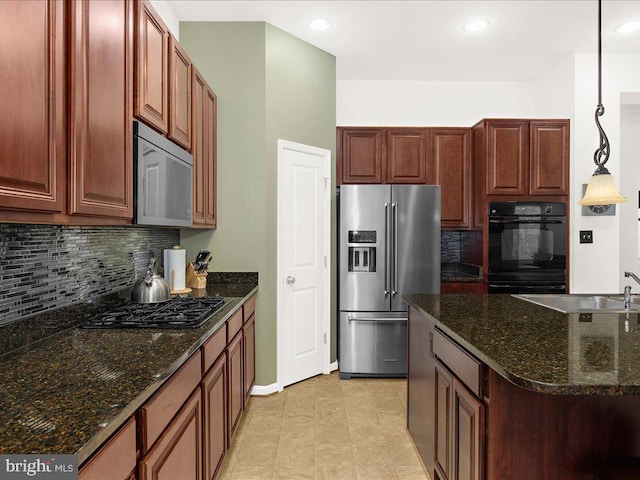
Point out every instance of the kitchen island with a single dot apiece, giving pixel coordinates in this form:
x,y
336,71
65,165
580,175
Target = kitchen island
x,y
500,388
66,389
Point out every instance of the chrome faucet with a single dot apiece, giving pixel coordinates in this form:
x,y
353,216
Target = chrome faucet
x,y
627,297
632,275
627,289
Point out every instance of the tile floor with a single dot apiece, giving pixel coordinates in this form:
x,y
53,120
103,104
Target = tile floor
x,y
326,428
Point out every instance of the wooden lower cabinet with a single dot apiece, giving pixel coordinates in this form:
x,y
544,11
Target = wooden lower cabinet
x,y
459,423
117,456
185,429
214,402
443,410
236,384
249,339
178,452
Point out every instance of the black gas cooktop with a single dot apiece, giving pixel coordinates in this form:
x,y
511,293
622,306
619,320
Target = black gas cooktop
x,y
178,312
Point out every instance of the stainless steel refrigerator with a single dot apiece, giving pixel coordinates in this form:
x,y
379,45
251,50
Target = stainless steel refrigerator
x,y
389,244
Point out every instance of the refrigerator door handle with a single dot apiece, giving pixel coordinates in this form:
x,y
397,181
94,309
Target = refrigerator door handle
x,y
378,319
394,216
386,249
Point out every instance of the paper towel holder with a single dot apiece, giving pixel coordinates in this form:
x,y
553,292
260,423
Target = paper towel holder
x,y
171,281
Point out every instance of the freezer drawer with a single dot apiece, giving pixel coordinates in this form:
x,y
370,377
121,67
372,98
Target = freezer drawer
x,y
373,344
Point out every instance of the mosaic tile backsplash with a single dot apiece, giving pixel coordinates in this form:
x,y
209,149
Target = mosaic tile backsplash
x,y
47,266
450,242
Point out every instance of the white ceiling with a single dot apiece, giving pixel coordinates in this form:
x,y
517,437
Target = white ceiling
x,y
424,40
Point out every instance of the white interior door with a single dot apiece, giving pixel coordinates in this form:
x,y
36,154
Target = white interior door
x,y
304,200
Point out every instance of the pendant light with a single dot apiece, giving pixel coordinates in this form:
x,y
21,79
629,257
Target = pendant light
x,y
601,189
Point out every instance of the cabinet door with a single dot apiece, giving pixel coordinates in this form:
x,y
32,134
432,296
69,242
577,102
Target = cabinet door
x,y
198,90
152,68
179,94
249,334
449,166
33,136
178,453
210,159
101,82
478,176
468,432
360,153
236,385
549,157
214,392
507,157
443,410
116,459
406,156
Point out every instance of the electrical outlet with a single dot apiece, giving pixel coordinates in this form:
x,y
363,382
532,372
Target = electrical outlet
x,y
586,236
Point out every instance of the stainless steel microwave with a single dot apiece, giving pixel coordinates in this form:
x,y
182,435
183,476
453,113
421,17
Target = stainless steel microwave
x,y
163,180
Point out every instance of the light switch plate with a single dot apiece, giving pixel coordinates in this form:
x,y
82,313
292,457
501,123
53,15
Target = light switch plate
x,y
597,210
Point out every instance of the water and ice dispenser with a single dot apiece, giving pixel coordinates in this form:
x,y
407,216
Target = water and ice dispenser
x,y
362,259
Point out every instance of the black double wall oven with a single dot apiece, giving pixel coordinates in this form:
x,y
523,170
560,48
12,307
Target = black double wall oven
x,y
527,247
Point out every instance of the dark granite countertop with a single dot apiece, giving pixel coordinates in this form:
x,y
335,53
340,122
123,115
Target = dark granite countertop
x,y
66,389
541,349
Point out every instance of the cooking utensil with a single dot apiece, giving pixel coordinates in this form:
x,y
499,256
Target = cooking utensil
x,y
151,288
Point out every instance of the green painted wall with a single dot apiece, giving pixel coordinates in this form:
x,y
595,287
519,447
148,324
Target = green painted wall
x,y
269,85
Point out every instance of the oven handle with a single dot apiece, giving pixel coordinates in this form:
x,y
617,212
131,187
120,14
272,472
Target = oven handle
x,y
541,221
529,287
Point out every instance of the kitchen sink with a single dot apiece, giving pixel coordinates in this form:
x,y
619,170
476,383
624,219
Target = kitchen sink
x,y
573,303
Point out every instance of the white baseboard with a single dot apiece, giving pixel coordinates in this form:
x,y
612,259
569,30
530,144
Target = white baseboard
x,y
265,389
275,387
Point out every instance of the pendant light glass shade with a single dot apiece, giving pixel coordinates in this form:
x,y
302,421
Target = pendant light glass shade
x,y
601,189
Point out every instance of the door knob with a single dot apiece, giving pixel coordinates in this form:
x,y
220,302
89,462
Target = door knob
x,y
291,280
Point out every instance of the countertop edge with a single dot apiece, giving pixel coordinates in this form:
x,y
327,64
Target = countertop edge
x,y
532,385
88,449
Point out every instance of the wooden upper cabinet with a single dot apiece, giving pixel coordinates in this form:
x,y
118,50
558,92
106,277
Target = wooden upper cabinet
x,y
33,135
507,163
152,68
382,155
406,159
203,148
211,155
198,91
179,94
101,83
549,157
478,184
449,165
360,153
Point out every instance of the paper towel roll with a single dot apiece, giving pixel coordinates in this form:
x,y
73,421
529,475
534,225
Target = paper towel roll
x,y
175,267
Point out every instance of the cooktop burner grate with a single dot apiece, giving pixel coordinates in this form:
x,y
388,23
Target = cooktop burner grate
x,y
179,312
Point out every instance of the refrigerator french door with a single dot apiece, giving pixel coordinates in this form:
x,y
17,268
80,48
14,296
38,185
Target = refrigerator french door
x,y
389,244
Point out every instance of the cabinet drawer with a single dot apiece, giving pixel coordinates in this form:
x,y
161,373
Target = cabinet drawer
x,y
116,458
213,348
234,324
165,403
249,308
463,365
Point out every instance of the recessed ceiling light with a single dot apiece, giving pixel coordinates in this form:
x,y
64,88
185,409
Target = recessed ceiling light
x,y
476,25
628,27
319,24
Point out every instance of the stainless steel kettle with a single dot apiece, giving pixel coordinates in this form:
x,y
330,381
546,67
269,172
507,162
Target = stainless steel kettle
x,y
151,288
